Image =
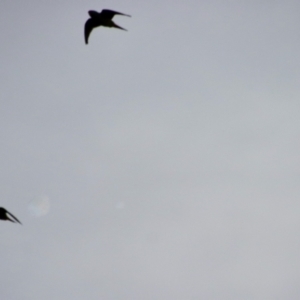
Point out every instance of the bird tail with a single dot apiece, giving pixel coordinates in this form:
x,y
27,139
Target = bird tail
x,y
14,219
117,26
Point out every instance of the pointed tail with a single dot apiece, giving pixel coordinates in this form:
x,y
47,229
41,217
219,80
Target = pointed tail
x,y
117,26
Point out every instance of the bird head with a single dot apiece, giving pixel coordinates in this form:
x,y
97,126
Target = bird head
x,y
93,13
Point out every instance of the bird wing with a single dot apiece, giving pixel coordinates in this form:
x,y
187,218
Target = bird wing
x,y
88,27
109,14
13,217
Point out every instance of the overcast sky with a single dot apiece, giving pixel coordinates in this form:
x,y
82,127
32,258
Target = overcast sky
x,y
169,154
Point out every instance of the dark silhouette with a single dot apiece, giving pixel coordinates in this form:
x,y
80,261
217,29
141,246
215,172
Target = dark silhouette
x,y
100,19
4,215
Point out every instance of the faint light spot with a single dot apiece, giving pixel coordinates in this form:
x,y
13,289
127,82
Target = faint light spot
x,y
120,205
39,206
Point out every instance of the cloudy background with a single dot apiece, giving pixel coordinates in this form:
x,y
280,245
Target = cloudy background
x,y
160,163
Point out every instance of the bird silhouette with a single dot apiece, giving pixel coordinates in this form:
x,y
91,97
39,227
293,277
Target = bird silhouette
x,y
4,215
104,18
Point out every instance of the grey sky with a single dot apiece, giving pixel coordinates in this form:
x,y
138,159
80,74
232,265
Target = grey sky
x,y
169,153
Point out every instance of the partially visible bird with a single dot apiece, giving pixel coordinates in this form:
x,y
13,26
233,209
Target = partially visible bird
x,y
104,18
4,215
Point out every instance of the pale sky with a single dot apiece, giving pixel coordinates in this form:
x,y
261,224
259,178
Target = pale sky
x,y
167,156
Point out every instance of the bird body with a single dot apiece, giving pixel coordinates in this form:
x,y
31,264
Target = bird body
x,y
5,215
104,18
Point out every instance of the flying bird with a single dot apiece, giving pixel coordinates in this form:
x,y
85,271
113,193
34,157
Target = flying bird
x,y
104,18
5,215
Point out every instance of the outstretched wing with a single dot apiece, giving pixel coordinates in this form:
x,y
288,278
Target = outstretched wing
x,y
12,217
88,27
109,14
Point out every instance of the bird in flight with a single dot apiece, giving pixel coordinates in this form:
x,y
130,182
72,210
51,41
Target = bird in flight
x,y
104,18
5,215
